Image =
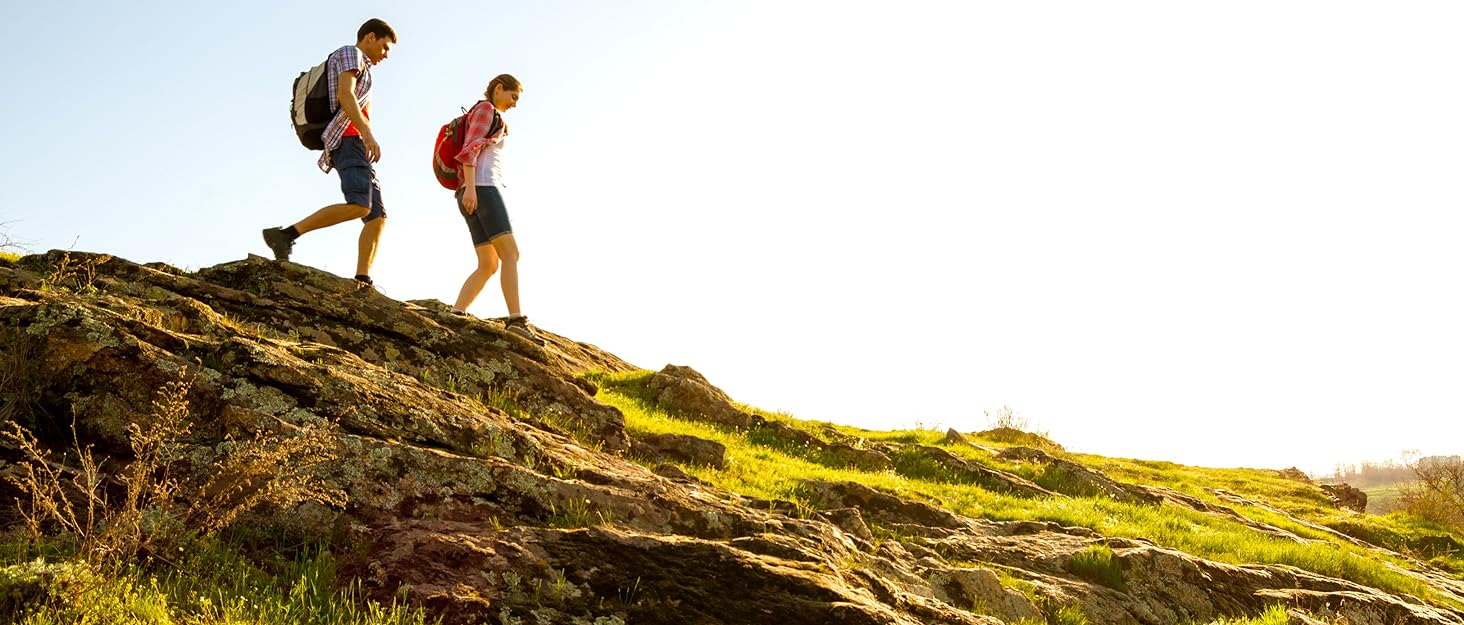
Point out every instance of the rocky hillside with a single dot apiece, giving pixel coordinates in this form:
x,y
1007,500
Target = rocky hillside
x,y
489,479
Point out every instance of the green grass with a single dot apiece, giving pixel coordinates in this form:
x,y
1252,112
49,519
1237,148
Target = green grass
x,y
1069,614
1274,614
1382,498
762,469
1096,564
213,583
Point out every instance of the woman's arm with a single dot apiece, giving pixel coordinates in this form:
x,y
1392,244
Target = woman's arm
x,y
470,189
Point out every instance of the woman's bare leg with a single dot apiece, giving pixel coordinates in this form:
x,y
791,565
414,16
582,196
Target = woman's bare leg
x,y
487,265
508,252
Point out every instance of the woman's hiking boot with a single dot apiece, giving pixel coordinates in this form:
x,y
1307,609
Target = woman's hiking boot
x,y
520,325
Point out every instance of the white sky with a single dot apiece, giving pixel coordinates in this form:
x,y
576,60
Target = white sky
x,y
1214,233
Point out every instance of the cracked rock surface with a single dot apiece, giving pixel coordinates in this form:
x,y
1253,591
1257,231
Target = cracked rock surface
x,y
485,481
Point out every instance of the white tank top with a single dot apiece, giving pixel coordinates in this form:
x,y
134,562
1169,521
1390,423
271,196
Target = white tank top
x,y
488,170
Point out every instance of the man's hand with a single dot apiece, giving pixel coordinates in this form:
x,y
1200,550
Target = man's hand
x,y
470,199
346,94
373,149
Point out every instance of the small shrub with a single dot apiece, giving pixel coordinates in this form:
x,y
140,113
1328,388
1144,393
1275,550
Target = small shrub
x,y
10,248
1009,428
75,275
158,512
1097,564
1438,493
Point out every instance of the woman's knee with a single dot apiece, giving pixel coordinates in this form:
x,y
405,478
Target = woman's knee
x,y
506,248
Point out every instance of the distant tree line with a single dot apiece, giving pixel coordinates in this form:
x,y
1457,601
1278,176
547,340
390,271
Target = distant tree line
x,y
1429,487
1386,473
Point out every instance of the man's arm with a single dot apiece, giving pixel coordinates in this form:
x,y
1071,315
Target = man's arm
x,y
346,95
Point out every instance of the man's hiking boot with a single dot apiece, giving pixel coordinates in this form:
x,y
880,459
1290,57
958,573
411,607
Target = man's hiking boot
x,y
279,243
520,325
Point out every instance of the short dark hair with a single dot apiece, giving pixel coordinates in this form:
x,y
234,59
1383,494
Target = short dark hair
x,y
376,26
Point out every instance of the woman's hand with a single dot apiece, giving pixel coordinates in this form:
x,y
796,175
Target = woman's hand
x,y
470,199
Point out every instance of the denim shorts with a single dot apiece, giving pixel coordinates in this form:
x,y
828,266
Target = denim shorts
x,y
358,177
490,220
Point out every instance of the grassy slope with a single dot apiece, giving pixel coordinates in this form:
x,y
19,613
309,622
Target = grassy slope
x,y
217,583
761,467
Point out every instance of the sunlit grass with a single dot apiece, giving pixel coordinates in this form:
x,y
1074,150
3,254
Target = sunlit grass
x,y
211,584
1274,614
1096,564
769,473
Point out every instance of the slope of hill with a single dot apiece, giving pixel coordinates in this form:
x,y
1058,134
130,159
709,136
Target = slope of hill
x,y
478,477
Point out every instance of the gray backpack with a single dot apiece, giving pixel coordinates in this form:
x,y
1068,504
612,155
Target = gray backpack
x,y
310,106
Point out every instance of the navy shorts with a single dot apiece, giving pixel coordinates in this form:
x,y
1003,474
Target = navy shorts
x,y
490,220
358,177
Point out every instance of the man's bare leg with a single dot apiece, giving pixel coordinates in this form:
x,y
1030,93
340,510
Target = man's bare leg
x,y
330,216
366,246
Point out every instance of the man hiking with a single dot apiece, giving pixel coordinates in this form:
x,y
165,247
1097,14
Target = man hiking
x,y
350,148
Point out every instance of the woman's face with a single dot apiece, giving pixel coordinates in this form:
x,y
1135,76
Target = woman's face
x,y
504,99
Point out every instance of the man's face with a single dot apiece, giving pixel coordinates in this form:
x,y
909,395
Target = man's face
x,y
376,48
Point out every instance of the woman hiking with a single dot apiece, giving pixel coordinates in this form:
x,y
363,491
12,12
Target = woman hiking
x,y
481,171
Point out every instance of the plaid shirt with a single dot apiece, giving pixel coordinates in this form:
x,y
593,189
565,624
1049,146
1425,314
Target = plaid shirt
x,y
346,59
487,125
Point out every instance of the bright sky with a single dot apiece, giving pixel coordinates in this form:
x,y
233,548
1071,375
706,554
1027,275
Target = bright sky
x,y
1223,234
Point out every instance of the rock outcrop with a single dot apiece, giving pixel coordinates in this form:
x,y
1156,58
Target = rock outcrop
x,y
1346,497
485,481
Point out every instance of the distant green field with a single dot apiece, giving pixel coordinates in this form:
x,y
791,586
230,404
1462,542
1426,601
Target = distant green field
x,y
1382,499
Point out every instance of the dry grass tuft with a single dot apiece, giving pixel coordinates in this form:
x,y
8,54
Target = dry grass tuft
x,y
157,509
74,275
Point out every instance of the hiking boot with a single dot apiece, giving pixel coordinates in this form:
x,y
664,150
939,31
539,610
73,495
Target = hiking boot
x,y
520,325
279,243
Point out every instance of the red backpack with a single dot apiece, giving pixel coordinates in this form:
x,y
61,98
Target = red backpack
x,y
449,144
